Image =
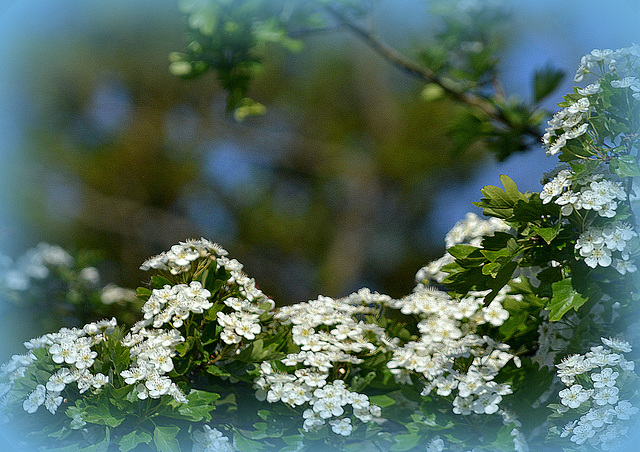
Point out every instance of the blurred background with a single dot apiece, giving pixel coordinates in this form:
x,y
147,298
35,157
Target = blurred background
x,y
349,180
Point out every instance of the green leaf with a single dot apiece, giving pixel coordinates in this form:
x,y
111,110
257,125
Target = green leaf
x,y
405,442
293,440
548,234
500,203
160,281
511,189
198,408
102,414
165,439
133,439
494,256
185,346
584,168
501,278
491,268
625,166
212,313
565,297
515,324
217,371
245,444
461,251
545,81
143,292
253,352
382,400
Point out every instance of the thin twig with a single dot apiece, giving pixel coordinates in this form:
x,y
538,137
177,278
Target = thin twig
x,y
425,74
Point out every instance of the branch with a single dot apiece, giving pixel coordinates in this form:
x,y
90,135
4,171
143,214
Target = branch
x,y
423,73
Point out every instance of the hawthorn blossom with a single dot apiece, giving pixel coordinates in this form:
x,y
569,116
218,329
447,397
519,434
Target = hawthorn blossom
x,y
603,423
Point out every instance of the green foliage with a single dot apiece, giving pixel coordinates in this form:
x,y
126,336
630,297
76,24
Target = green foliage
x,y
461,62
565,297
545,81
230,39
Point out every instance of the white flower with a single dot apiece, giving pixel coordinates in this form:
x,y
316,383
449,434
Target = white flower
x,y
581,433
210,440
597,417
580,106
133,375
445,385
85,358
161,359
157,385
34,400
593,88
624,267
495,313
624,410
576,132
57,380
598,256
341,426
312,420
471,383
617,344
462,405
605,378
574,396
550,189
247,328
52,401
625,82
599,356
436,445
64,351
486,403
606,395
328,407
557,145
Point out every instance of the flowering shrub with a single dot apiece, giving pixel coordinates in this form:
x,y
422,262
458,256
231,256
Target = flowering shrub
x,y
475,357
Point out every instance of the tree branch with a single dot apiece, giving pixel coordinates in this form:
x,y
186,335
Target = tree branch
x,y
423,73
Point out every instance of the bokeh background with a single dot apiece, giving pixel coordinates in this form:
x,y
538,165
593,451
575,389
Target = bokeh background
x,y
348,180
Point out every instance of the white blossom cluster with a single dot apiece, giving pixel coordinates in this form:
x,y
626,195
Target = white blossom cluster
x,y
244,321
624,60
470,231
174,304
448,332
598,246
593,391
593,193
181,256
325,402
573,120
151,352
32,265
330,338
71,349
210,440
569,123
